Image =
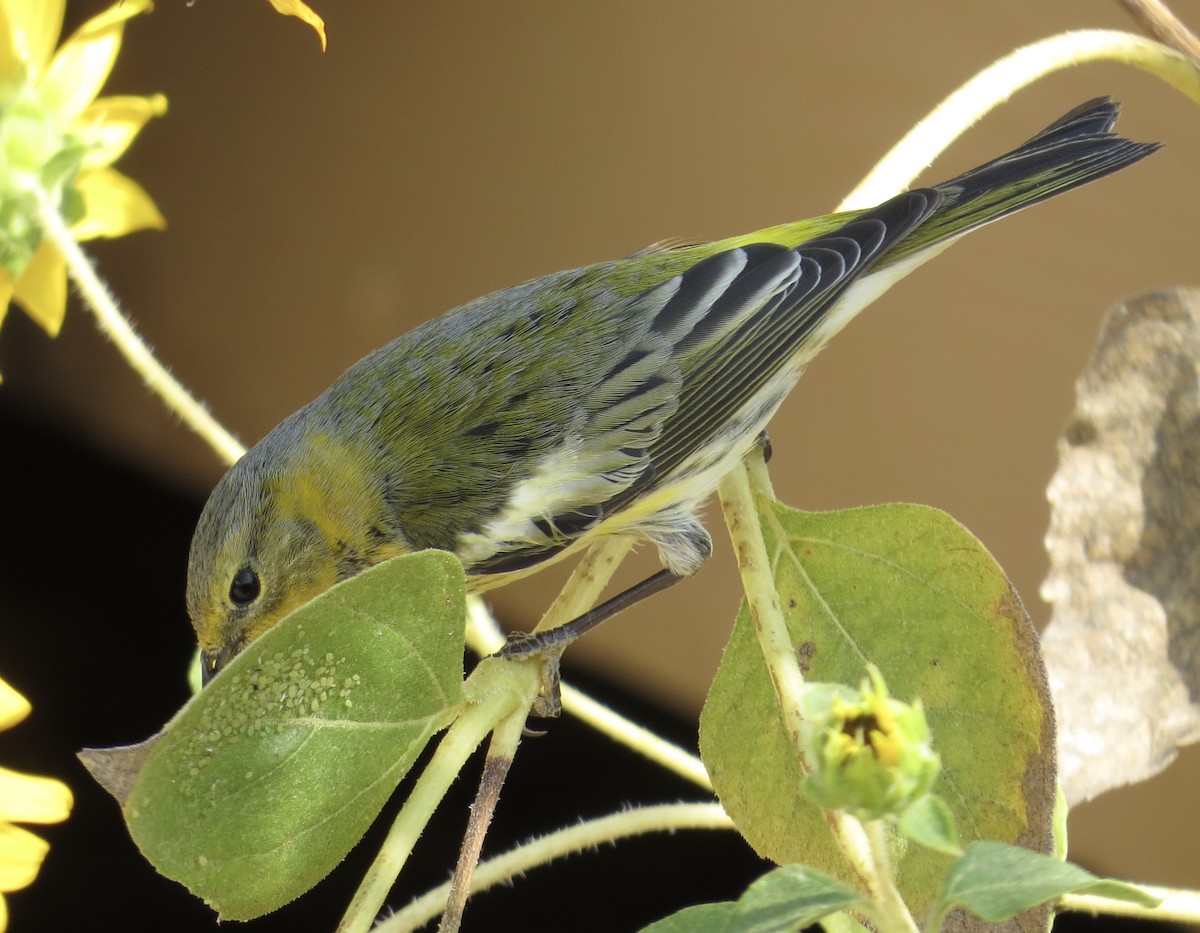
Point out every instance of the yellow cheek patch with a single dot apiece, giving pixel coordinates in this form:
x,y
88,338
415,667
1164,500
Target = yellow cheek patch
x,y
334,486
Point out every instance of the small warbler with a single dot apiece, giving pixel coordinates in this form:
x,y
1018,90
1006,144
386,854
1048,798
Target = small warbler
x,y
605,400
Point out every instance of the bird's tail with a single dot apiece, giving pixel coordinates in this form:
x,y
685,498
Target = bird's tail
x,y
1074,150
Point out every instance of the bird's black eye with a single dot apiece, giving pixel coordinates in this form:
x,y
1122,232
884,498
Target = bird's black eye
x,y
244,588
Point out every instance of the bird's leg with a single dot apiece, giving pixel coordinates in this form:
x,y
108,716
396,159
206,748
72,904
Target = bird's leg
x,y
523,645
551,643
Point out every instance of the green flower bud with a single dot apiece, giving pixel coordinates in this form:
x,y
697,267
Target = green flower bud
x,y
871,756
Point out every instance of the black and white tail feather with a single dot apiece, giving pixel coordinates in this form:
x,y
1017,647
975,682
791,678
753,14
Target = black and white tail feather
x,y
732,334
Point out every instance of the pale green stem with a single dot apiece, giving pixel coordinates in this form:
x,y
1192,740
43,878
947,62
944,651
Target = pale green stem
x,y
998,82
484,637
637,738
113,323
587,581
497,690
563,842
889,912
739,491
758,582
1177,906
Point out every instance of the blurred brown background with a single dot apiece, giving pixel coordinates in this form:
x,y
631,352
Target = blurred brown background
x,y
319,205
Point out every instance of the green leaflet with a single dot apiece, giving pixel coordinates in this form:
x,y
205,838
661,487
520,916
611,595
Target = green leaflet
x,y
909,589
996,882
265,780
784,900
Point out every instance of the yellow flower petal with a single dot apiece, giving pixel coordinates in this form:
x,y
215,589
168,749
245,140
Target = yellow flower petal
x,y
30,798
83,62
109,125
13,706
21,854
3,914
6,291
34,25
115,205
302,11
42,289
10,66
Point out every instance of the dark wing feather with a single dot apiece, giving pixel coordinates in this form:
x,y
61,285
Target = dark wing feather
x,y
723,329
730,342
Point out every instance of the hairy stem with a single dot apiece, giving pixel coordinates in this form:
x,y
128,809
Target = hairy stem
x,y
587,581
573,839
484,637
743,492
998,82
116,326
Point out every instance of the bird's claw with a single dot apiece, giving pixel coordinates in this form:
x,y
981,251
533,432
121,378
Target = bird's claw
x,y
520,646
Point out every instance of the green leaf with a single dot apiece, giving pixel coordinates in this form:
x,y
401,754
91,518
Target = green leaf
x,y
909,589
1120,891
791,898
841,922
930,822
699,918
781,901
996,882
265,780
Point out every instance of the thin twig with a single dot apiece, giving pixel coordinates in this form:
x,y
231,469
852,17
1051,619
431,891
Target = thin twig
x,y
1157,21
501,751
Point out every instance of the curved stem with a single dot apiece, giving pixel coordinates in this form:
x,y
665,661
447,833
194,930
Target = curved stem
x,y
1178,906
543,850
1157,20
998,82
116,326
635,737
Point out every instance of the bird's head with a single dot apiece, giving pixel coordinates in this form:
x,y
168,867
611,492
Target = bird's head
x,y
285,524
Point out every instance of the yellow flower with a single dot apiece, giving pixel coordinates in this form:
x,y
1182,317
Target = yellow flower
x,y
57,138
28,799
304,12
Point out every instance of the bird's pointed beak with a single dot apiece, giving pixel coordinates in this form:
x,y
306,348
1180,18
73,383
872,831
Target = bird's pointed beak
x,y
211,662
